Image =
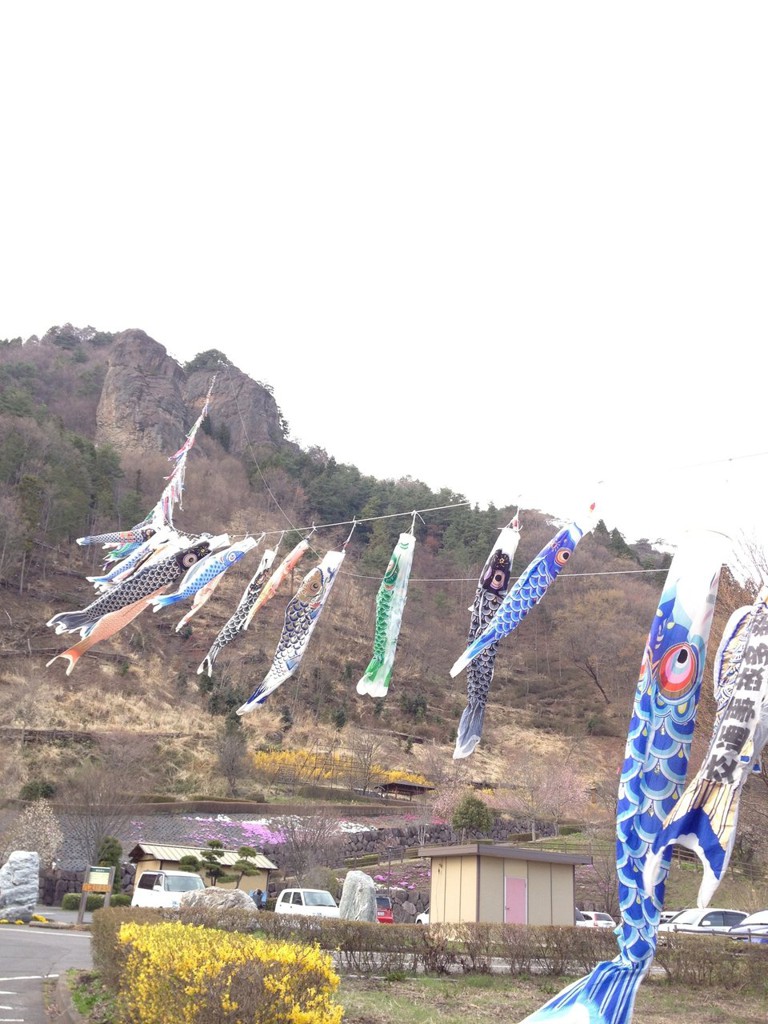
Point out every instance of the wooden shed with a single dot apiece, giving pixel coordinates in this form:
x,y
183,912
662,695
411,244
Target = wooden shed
x,y
406,789
500,883
159,856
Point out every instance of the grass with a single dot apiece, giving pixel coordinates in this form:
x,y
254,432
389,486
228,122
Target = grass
x,y
491,998
91,1000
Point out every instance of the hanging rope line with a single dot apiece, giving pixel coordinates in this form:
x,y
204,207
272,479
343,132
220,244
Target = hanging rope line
x,y
356,521
473,579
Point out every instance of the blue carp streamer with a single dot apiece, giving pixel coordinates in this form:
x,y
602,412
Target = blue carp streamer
x,y
203,572
528,590
704,820
652,779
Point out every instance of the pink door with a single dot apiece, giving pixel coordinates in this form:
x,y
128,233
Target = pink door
x,y
515,901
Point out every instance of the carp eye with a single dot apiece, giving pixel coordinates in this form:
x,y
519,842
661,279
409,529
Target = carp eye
x,y
498,580
678,670
189,559
562,556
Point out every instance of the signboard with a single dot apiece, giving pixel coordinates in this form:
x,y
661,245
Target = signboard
x,y
99,879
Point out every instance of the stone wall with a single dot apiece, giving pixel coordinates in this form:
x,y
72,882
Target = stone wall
x,y
381,840
389,844
55,884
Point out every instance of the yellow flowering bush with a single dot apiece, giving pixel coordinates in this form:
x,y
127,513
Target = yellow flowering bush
x,y
181,974
307,766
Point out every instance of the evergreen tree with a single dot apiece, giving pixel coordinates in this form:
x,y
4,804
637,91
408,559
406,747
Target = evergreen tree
x,y
472,815
212,855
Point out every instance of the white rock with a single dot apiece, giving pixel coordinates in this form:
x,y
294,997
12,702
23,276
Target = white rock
x,y
358,897
19,884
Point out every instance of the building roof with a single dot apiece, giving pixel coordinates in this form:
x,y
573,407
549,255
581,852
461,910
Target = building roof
x,y
501,850
158,851
404,787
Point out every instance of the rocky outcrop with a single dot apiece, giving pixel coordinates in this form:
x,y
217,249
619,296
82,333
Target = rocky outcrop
x,y
142,405
242,412
19,880
148,403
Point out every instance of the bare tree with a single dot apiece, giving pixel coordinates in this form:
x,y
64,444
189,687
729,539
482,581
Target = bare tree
x,y
97,804
231,755
99,799
309,843
364,771
543,791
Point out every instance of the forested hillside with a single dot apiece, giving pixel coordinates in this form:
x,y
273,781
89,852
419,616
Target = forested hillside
x,y
87,422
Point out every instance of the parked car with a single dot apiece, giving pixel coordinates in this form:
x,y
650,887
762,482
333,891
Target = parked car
x,y
597,919
709,921
307,902
752,929
384,913
164,888
667,915
423,917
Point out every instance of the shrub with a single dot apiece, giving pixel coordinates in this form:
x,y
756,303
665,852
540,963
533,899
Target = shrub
x,y
94,900
109,954
39,789
181,975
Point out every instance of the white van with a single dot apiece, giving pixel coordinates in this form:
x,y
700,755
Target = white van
x,y
312,902
164,888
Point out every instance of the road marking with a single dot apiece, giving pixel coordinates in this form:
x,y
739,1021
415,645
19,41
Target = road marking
x,y
26,977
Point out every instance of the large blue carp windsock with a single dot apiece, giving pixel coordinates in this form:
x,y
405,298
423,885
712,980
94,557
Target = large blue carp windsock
x,y
528,590
390,603
652,779
704,819
491,590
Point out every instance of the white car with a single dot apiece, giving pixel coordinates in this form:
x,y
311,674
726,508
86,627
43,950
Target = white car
x,y
667,915
753,928
709,921
307,903
164,888
596,919
423,917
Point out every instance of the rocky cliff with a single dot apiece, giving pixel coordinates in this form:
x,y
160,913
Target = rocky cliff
x,y
148,402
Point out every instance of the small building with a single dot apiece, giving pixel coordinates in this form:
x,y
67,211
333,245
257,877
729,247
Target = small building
x,y
406,789
496,882
159,857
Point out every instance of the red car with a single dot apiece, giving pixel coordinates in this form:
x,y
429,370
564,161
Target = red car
x,y
384,913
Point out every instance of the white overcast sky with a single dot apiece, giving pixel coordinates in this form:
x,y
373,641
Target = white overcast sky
x,y
510,248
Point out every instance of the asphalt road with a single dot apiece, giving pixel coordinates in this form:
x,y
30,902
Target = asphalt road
x,y
28,956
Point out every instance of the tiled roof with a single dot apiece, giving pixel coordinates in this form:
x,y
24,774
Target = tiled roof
x,y
161,852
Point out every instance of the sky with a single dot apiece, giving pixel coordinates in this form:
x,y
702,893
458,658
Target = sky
x,y
513,249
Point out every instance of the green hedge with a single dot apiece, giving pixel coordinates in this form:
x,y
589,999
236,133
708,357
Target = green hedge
x,y
94,901
370,948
